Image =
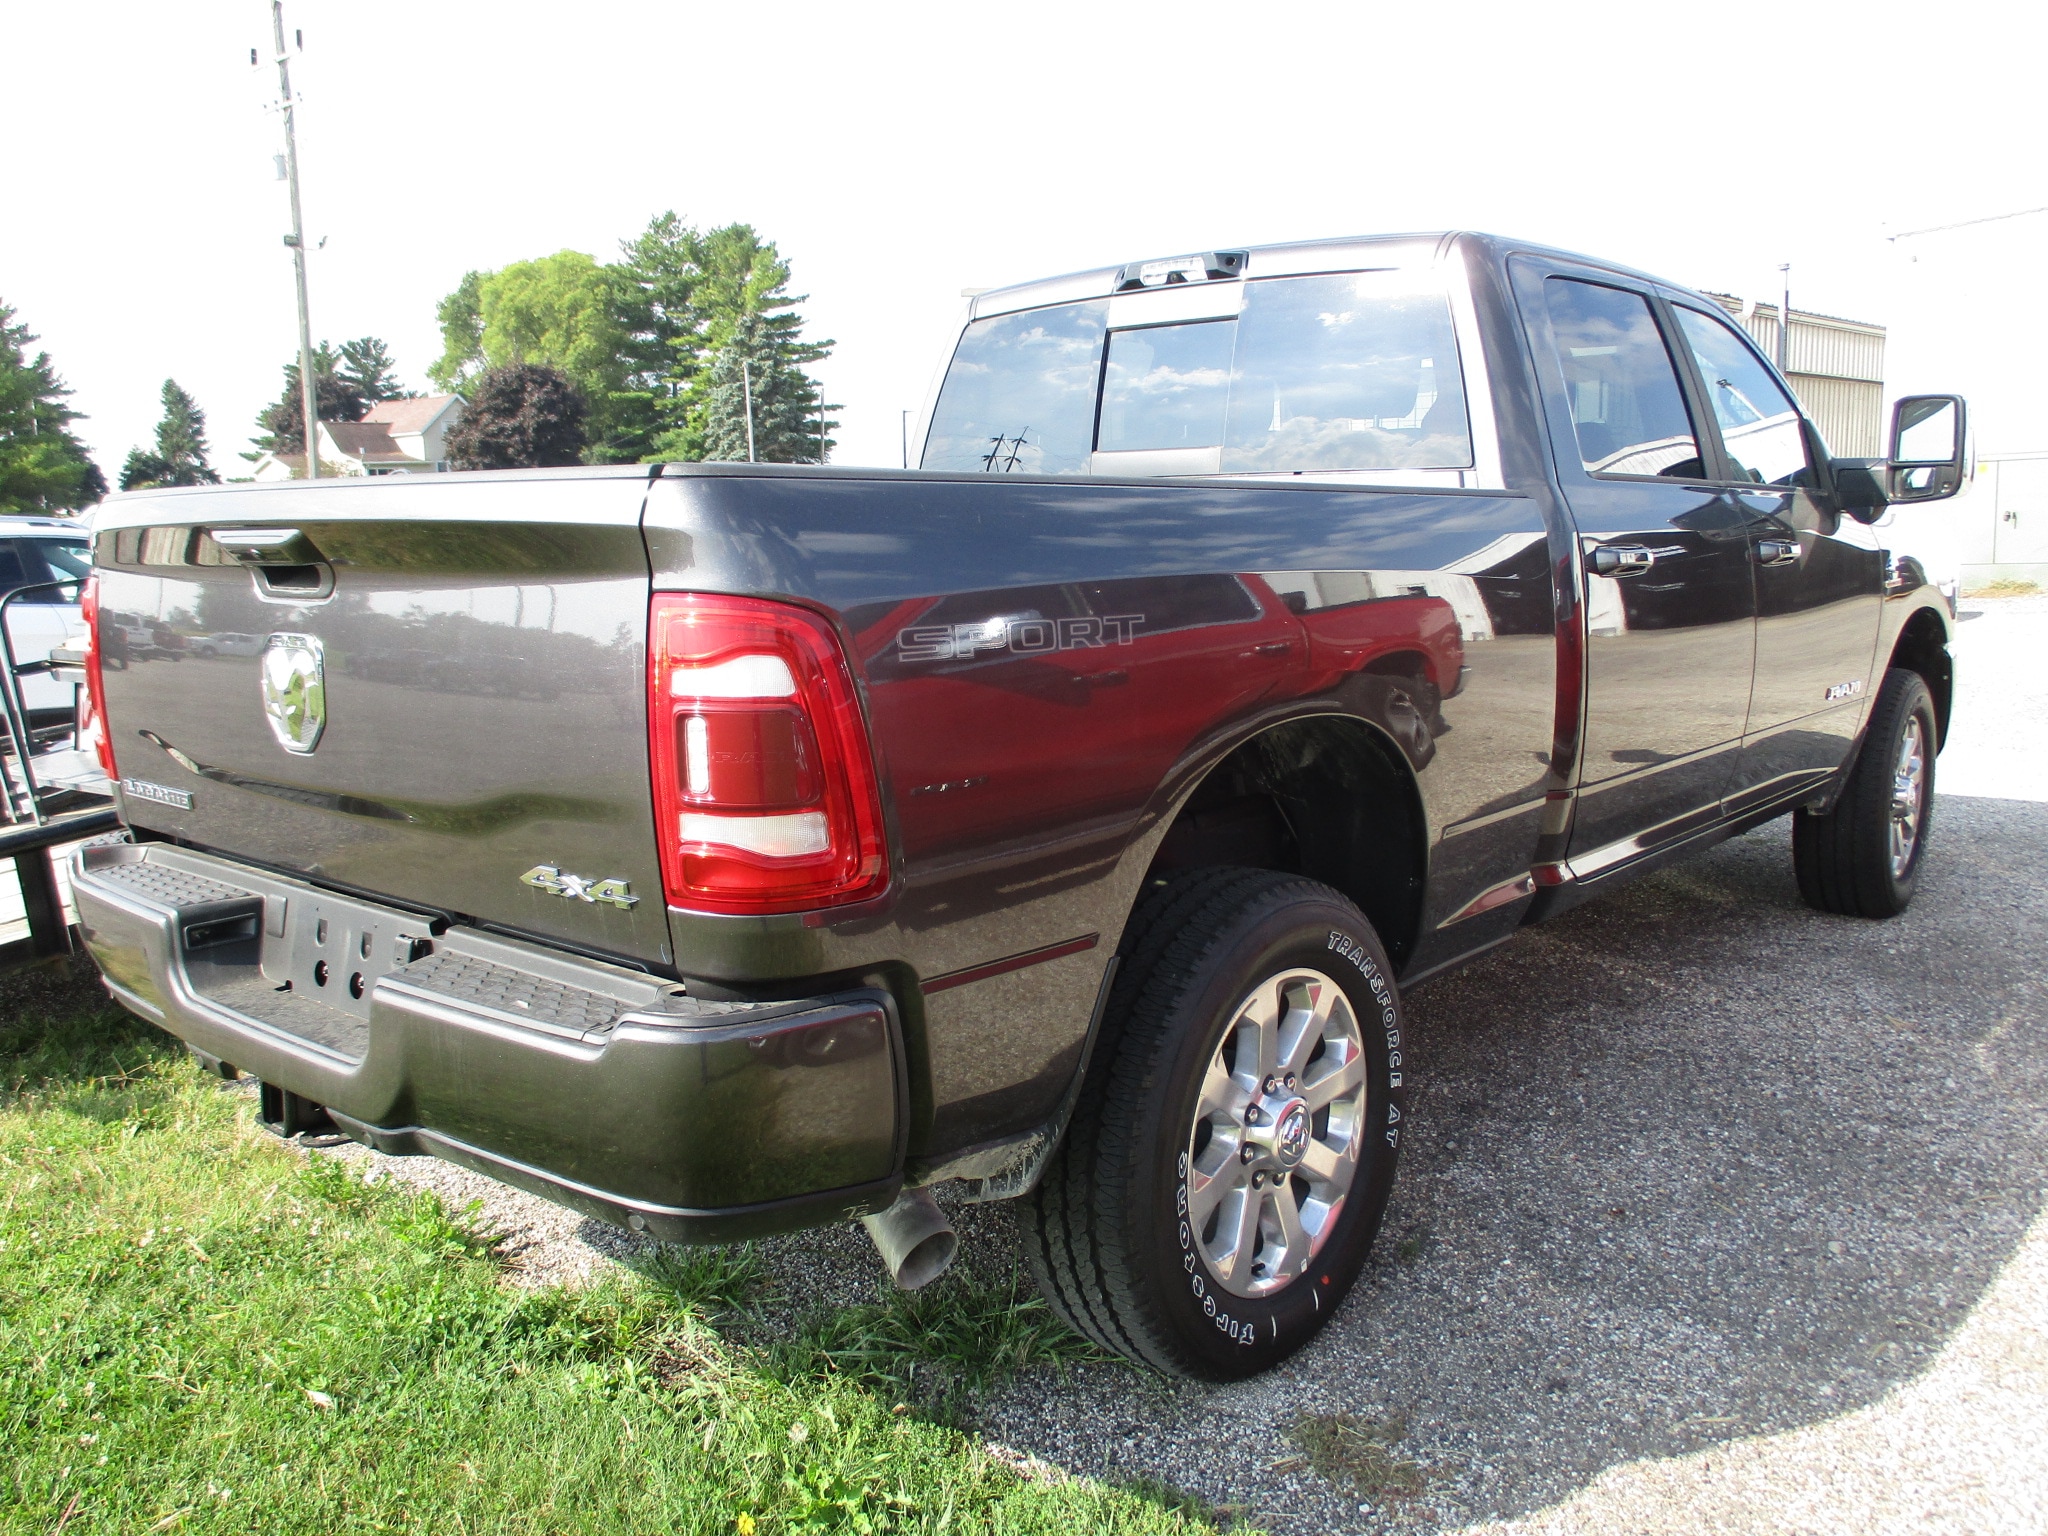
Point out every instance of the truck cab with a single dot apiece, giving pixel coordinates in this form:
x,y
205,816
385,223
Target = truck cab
x,y
1719,589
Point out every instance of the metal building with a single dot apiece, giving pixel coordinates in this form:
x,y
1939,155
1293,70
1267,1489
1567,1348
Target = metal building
x,y
1835,366
2003,527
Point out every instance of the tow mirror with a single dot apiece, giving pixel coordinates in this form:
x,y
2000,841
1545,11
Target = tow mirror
x,y
1930,448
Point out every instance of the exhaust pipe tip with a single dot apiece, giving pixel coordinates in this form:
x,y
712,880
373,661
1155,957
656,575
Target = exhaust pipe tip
x,y
915,1240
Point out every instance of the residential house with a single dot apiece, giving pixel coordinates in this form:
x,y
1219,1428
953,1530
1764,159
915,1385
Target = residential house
x,y
397,437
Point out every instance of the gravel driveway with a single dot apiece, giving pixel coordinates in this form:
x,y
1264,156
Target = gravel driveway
x,y
1716,1214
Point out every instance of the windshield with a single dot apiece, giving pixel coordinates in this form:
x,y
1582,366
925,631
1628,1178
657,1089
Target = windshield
x,y
1355,370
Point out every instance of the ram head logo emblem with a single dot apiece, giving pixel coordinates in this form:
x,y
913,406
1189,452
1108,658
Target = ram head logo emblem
x,y
295,690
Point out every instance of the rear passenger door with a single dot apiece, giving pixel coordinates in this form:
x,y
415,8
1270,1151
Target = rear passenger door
x,y
1819,575
1670,606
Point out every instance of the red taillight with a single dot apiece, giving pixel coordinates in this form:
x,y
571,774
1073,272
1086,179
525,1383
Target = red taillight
x,y
764,785
93,727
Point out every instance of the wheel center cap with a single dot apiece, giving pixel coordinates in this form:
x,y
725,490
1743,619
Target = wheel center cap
x,y
1290,1134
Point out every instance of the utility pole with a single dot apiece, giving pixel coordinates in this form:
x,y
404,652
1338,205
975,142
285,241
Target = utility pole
x,y
906,439
309,393
821,421
1785,318
747,394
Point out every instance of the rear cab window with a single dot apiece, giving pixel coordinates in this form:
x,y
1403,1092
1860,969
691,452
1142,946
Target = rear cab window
x,y
1331,372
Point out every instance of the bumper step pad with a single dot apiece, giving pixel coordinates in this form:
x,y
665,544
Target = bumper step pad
x,y
516,994
163,886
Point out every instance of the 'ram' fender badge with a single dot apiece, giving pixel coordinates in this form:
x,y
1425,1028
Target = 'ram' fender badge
x,y
611,893
294,677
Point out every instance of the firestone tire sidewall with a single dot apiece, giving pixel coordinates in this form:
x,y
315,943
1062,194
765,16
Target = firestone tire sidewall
x,y
1227,1336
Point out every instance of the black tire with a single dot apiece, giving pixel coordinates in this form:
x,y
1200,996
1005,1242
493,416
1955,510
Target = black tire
x,y
1847,861
1104,1231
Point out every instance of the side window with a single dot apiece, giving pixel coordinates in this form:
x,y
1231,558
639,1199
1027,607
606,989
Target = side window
x,y
54,560
1759,425
67,561
1627,408
13,569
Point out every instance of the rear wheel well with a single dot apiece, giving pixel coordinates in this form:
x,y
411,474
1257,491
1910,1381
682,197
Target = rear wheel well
x,y
1923,647
1328,798
1399,664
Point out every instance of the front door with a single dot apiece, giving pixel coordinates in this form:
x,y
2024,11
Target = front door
x,y
1670,606
1819,575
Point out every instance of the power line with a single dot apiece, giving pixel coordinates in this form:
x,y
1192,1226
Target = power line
x,y
1938,229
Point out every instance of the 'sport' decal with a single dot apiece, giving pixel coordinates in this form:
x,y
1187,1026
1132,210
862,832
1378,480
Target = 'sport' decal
x,y
1021,637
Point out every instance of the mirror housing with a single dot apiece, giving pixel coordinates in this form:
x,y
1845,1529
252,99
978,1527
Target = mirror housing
x,y
1860,488
1930,448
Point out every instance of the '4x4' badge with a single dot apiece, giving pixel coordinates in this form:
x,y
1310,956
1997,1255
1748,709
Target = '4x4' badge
x,y
611,893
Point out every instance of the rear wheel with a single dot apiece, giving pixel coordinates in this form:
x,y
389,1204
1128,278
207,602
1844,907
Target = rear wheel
x,y
1230,1158
1408,708
1862,859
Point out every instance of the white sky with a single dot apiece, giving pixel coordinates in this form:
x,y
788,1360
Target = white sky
x,y
900,152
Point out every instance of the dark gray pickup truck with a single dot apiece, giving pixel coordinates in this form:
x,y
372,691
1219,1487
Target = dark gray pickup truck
x,y
726,849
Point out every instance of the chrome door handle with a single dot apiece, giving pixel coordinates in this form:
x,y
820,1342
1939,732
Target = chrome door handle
x,y
267,546
1622,559
1777,551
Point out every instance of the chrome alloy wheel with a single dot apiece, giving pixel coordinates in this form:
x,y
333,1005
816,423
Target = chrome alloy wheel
x,y
1274,1146
1909,796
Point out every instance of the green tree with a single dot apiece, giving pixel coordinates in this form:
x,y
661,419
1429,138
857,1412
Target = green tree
x,y
659,276
520,416
461,315
570,312
284,420
642,337
366,365
744,311
566,311
750,373
180,456
43,465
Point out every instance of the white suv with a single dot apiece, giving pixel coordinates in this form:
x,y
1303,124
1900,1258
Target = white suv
x,y
35,550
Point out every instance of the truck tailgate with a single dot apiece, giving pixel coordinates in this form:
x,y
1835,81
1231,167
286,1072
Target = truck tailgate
x,y
436,688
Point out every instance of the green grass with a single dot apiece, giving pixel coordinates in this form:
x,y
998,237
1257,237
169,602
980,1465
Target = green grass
x,y
934,1350
200,1331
